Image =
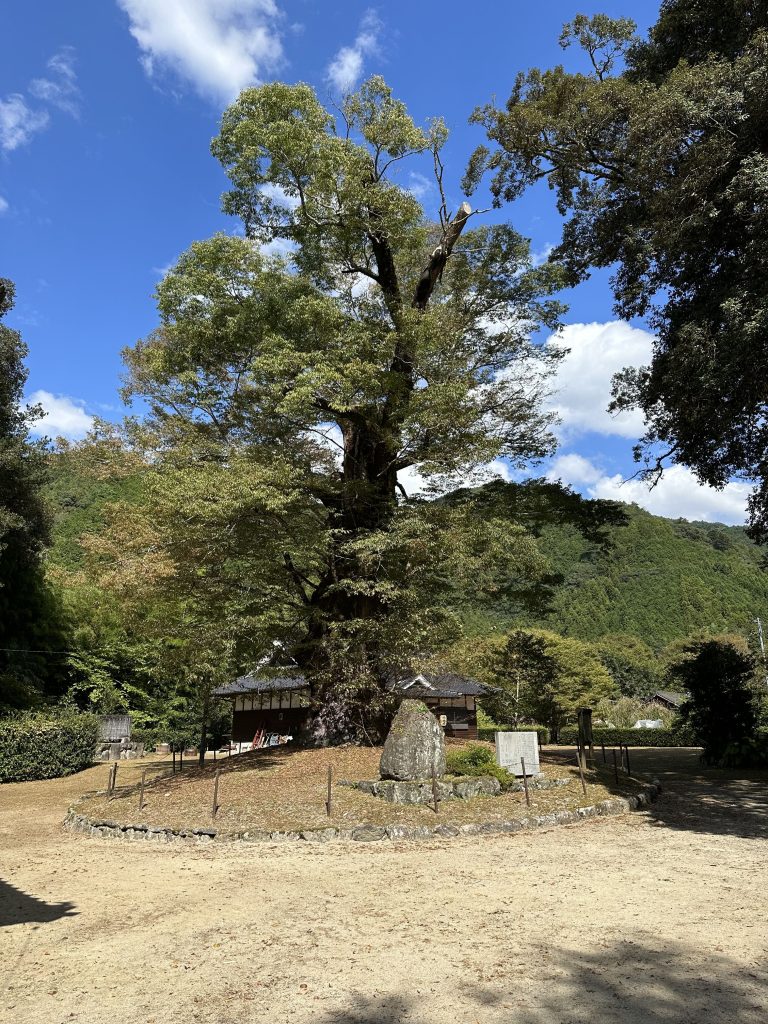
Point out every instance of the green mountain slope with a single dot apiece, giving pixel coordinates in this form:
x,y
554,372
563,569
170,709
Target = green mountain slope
x,y
659,579
623,571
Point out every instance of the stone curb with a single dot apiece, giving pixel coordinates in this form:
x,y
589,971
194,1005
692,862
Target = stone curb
x,y
106,829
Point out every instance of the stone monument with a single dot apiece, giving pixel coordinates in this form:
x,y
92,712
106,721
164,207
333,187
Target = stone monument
x,y
511,747
415,746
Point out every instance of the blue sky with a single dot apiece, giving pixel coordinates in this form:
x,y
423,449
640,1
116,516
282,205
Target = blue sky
x,y
107,109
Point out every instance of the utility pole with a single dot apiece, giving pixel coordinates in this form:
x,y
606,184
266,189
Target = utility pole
x,y
762,646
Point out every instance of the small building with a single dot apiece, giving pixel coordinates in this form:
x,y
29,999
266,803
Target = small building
x,y
668,699
264,707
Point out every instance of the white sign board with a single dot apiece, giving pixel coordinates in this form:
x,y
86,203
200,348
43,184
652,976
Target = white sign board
x,y
512,746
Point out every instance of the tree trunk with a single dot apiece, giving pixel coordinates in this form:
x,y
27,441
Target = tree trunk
x,y
204,725
364,505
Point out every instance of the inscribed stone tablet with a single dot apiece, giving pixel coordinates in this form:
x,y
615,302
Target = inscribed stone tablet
x,y
512,746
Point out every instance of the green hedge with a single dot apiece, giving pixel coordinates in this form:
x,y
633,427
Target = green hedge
x,y
632,737
490,734
44,747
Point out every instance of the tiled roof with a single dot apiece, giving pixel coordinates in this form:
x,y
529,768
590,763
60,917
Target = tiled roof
x,y
261,684
423,684
670,697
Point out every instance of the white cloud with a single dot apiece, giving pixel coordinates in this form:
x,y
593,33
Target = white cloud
x,y
540,256
346,68
419,185
3,205
221,46
60,89
415,484
282,248
678,493
582,385
19,122
65,417
278,195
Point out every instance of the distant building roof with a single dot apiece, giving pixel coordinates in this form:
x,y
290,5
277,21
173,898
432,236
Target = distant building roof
x,y
439,684
669,697
423,684
260,684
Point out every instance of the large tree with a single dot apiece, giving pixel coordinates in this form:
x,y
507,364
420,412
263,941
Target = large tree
x,y
29,615
658,154
287,395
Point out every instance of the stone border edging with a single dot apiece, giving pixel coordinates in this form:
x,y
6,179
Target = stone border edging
x,y
104,828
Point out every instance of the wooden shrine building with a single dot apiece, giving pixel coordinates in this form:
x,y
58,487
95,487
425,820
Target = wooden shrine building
x,y
277,706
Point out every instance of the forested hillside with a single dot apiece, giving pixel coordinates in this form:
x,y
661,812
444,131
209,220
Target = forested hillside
x,y
623,570
661,580
654,578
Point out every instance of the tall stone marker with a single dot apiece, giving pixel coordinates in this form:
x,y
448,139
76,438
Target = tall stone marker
x,y
415,746
512,746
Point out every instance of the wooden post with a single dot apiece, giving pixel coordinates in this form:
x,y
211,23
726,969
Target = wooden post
x,y
114,781
602,744
215,806
141,789
615,766
434,787
329,799
173,751
525,782
181,758
629,770
581,775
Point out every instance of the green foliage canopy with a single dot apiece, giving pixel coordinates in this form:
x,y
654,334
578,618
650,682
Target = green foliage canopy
x,y
286,395
721,709
30,621
658,157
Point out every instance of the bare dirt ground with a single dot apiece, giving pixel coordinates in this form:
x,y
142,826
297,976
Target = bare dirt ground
x,y
652,917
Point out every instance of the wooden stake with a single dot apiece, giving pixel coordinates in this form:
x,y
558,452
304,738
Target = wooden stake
x,y
629,770
581,775
525,782
615,766
215,806
114,781
329,800
602,744
173,751
141,789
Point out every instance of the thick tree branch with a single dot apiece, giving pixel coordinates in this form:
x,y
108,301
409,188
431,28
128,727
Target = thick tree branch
x,y
431,274
297,577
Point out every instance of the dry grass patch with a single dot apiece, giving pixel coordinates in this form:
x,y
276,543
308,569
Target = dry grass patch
x,y
280,789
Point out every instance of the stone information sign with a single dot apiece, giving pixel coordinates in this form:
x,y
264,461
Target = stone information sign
x,y
511,746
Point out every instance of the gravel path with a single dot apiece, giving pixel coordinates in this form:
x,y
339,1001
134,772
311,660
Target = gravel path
x,y
652,917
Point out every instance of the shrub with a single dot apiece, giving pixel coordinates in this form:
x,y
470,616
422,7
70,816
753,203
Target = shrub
x,y
722,707
36,746
476,760
749,753
633,737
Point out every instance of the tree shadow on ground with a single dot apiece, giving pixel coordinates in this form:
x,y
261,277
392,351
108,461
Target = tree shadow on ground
x,y
694,798
622,983
18,907
709,801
